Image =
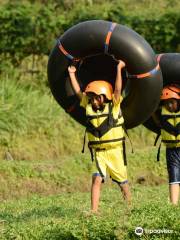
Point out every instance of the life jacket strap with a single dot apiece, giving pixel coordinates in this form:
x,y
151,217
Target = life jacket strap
x,y
159,148
90,117
91,152
169,116
102,129
106,141
84,141
171,141
159,152
105,126
124,154
157,138
127,134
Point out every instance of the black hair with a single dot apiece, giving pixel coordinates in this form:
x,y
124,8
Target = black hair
x,y
90,94
162,102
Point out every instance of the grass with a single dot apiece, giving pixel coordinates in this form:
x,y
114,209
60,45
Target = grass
x,y
32,124
22,178
64,216
49,199
45,182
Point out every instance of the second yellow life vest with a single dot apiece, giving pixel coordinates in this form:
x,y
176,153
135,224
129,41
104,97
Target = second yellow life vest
x,y
168,138
104,128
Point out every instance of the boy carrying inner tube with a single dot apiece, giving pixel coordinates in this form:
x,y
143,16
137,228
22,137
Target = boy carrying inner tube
x,y
105,132
169,123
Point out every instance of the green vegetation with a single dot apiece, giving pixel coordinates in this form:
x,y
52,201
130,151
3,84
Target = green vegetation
x,y
27,108
45,181
27,114
21,178
32,124
51,200
64,216
27,27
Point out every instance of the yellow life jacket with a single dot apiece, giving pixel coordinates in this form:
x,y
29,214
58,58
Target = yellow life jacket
x,y
168,138
104,128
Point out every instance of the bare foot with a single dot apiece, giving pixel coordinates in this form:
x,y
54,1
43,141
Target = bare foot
x,y
91,213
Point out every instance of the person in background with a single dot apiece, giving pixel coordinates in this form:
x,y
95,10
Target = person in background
x,y
169,123
105,132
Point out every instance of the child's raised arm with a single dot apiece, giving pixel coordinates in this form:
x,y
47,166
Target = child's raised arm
x,y
118,82
74,82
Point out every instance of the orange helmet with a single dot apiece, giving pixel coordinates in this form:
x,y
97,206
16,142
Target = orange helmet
x,y
170,92
100,87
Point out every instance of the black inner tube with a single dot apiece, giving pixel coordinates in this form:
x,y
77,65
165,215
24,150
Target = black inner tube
x,y
86,41
170,67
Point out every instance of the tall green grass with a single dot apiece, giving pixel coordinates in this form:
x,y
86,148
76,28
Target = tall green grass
x,y
33,125
28,114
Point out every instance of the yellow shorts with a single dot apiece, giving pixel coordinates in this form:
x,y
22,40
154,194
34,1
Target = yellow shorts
x,y
111,161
